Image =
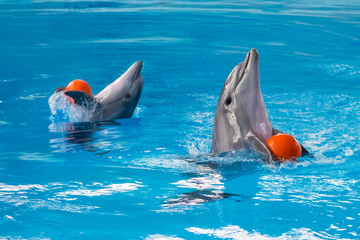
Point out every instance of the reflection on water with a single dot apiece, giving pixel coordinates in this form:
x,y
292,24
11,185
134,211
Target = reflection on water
x,y
208,187
211,172
78,133
198,197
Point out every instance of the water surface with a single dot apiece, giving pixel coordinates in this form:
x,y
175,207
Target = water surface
x,y
150,176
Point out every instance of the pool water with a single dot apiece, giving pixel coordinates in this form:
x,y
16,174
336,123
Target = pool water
x,y
151,176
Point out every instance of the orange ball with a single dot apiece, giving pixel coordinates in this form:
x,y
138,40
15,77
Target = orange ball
x,y
79,85
284,147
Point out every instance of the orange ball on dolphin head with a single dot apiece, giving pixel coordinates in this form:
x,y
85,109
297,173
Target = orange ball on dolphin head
x,y
78,85
284,147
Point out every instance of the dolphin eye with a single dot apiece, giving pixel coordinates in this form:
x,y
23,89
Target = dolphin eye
x,y
127,95
227,100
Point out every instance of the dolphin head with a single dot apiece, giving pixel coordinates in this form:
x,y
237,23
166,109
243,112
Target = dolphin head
x,y
241,119
120,98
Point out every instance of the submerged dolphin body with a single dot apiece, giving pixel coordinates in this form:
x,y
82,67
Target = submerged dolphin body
x,y
118,100
241,120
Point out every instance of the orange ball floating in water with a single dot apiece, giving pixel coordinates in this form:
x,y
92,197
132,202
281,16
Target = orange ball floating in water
x,y
78,85
284,147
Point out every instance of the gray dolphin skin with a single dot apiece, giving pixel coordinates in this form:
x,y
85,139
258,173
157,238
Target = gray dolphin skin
x,y
117,100
241,120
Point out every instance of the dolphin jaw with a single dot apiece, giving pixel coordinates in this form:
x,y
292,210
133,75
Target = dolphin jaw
x,y
137,66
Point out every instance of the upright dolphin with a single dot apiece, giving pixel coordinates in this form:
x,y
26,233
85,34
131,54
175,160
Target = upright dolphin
x,y
241,120
117,100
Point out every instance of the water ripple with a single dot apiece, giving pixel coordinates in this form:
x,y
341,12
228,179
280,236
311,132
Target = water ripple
x,y
145,40
261,8
60,196
320,190
104,190
236,232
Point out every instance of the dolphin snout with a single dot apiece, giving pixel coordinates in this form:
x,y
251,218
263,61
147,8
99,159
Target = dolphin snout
x,y
254,51
251,61
253,56
139,63
137,66
135,70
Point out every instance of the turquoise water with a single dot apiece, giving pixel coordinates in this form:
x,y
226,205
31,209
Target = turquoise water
x,y
150,177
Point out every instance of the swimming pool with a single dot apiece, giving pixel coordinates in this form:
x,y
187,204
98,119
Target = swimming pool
x,y
150,177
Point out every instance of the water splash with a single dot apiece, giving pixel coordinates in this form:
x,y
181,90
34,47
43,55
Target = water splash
x,y
63,111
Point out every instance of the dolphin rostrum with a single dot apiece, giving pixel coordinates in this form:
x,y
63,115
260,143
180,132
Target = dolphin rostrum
x,y
241,120
117,100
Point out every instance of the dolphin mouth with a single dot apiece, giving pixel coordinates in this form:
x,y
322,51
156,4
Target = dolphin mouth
x,y
244,65
138,66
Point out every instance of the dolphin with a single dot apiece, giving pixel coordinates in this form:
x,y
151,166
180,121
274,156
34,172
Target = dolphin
x,y
241,120
117,100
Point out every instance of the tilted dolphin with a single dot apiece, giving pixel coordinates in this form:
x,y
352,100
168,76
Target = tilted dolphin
x,y
118,100
241,120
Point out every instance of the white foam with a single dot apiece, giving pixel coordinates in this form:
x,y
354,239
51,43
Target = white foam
x,y
5,188
162,237
9,217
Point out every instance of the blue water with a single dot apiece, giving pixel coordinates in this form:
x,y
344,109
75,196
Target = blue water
x,y
150,177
